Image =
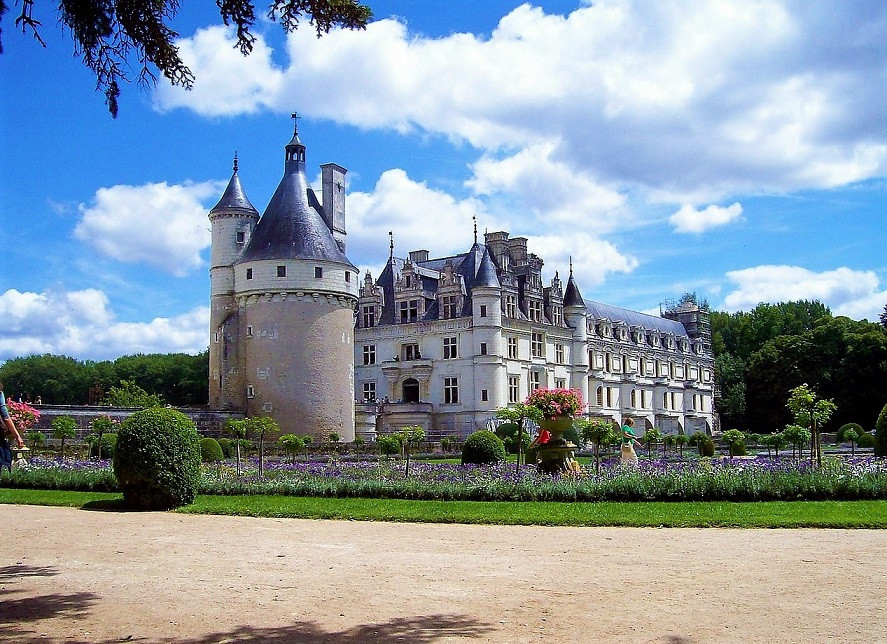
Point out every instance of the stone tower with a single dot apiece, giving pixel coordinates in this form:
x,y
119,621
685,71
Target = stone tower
x,y
294,294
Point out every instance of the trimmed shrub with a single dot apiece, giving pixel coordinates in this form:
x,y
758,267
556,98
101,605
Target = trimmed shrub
x,y
508,433
842,432
867,440
157,460
210,450
388,445
737,448
483,447
226,446
881,433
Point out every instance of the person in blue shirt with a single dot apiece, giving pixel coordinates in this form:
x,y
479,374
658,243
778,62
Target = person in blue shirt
x,y
10,430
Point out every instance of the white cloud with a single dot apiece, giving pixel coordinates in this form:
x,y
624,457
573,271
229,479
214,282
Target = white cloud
x,y
162,225
592,258
690,220
691,100
81,325
847,292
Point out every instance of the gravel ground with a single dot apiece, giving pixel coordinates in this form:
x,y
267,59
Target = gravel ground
x,y
71,575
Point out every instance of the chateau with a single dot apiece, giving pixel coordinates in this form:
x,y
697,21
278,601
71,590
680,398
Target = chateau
x,y
436,342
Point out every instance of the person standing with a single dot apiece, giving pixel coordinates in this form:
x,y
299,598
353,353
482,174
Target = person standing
x,y
7,429
628,454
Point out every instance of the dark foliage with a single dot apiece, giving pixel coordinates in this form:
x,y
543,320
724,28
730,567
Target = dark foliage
x,y
881,433
157,459
112,36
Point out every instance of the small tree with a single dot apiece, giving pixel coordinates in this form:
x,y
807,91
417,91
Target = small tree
x,y
680,440
260,426
731,437
63,428
850,433
129,394
811,413
100,426
881,431
597,432
518,414
651,437
237,428
796,437
292,445
37,438
410,435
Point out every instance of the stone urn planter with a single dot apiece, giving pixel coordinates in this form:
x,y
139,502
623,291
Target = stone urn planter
x,y
555,455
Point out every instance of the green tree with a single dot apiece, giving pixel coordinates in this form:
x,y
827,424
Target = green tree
x,y
58,380
598,432
850,433
881,433
114,37
796,436
651,437
36,437
63,428
680,440
730,374
100,425
129,394
731,437
237,428
409,435
812,413
292,445
260,426
519,414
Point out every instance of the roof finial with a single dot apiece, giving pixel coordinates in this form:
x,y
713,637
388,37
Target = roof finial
x,y
571,266
390,245
235,161
295,117
474,217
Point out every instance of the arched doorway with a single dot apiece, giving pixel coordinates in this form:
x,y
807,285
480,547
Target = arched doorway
x,y
410,390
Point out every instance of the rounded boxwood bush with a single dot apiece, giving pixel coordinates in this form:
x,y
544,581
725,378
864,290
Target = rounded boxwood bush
x,y
842,432
157,459
210,450
867,440
483,447
226,446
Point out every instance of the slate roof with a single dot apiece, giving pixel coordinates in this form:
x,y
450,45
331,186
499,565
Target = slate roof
x,y
234,197
572,296
292,226
633,318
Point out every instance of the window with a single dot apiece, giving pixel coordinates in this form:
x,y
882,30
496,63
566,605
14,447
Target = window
x,y
249,273
281,271
483,348
250,391
644,399
240,237
216,336
347,276
609,397
513,389
409,311
483,310
369,316
559,353
537,345
484,396
674,400
449,303
511,306
534,310
535,381
410,352
608,362
512,348
449,348
369,391
557,314
451,391
249,330
600,396
318,272
633,398
665,399
369,354
408,281
560,383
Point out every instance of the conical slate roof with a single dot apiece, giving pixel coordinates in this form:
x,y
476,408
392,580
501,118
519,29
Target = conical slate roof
x,y
486,272
291,226
234,197
572,296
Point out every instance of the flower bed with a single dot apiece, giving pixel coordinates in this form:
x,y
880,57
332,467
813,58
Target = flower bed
x,y
757,479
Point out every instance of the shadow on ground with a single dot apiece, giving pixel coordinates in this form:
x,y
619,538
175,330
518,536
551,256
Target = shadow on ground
x,y
415,630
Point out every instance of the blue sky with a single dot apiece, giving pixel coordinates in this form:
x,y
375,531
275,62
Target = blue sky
x,y
736,149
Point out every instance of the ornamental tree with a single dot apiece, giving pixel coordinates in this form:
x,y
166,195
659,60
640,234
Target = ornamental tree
x,y
732,436
596,431
881,433
292,445
409,435
63,428
518,414
260,426
811,413
237,429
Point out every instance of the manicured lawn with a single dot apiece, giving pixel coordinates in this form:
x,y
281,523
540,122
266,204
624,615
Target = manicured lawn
x,y
777,514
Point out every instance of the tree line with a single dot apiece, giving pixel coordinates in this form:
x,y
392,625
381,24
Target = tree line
x,y
176,379
763,354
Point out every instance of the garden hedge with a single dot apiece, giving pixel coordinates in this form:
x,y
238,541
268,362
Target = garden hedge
x,y
483,447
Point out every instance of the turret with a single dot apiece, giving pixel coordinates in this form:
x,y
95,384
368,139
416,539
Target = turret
x,y
576,317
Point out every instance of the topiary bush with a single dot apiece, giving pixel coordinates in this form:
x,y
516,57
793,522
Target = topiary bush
x,y
226,446
483,447
210,450
881,433
157,459
867,440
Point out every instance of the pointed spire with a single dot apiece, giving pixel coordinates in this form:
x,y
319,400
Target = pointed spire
x,y
390,245
572,296
474,217
234,198
486,273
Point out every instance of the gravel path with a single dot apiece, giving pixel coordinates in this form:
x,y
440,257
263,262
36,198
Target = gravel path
x,y
72,575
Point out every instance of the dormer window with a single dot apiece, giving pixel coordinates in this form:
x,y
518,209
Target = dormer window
x,y
408,281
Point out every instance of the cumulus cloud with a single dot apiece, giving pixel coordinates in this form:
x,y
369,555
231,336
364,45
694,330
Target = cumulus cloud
x,y
159,224
592,258
690,220
80,324
695,101
847,292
